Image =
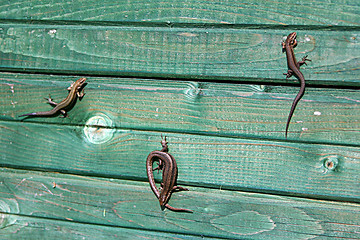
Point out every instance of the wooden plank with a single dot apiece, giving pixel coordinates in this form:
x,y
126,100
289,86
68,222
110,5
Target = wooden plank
x,y
310,170
220,54
283,12
131,204
24,227
322,116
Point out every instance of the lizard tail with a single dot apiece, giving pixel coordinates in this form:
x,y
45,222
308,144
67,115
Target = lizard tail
x,y
28,114
295,102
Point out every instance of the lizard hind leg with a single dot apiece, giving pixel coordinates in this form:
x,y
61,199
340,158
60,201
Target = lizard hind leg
x,y
50,101
178,189
64,113
159,166
289,73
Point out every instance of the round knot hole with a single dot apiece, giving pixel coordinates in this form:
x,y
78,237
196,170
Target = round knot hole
x,y
99,129
330,163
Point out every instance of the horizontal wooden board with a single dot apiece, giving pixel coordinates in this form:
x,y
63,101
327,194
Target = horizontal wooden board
x,y
311,170
256,111
28,227
283,12
220,54
131,204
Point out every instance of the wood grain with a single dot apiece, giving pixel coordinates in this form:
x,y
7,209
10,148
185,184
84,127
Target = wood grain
x,y
311,170
24,227
322,116
129,204
183,69
190,53
264,12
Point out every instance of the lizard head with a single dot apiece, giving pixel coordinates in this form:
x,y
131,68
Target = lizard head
x,y
164,144
292,39
78,84
81,81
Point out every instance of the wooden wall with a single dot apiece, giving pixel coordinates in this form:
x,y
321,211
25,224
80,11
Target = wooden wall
x,y
209,76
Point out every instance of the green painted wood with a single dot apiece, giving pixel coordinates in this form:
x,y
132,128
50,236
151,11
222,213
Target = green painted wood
x,y
220,54
322,116
24,227
131,204
308,170
224,136
283,12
